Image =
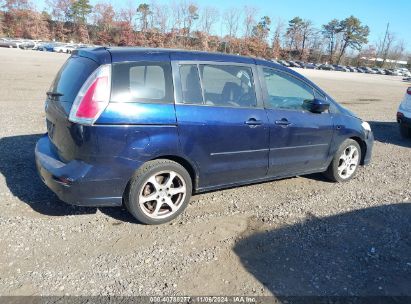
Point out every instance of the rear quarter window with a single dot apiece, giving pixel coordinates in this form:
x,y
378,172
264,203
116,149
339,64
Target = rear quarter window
x,y
149,82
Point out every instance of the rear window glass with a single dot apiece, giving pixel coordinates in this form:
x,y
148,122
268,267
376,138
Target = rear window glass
x,y
142,82
71,77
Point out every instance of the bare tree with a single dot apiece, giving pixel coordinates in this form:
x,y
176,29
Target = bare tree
x,y
16,5
160,16
232,20
185,14
59,9
190,16
398,51
278,33
209,17
317,46
128,15
176,16
307,31
103,15
385,46
249,20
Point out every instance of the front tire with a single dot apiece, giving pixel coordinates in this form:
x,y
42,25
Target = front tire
x,y
405,131
345,162
159,192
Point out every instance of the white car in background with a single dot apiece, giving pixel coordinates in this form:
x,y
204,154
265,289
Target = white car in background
x,y
404,115
406,73
66,48
403,71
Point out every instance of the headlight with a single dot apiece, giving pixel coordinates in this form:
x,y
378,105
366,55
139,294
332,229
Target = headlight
x,y
366,126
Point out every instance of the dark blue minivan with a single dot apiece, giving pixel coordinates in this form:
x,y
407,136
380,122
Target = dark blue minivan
x,y
149,127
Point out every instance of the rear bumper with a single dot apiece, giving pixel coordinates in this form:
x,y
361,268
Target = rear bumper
x,y
77,182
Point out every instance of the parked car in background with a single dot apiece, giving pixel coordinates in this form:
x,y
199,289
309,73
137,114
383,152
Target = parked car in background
x,y
293,64
65,48
391,72
284,63
206,121
406,73
306,65
352,69
399,72
8,43
26,44
47,46
310,66
396,72
326,67
379,71
340,68
404,115
368,70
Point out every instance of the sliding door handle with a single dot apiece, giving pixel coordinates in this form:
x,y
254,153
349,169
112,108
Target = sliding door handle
x,y
252,122
283,122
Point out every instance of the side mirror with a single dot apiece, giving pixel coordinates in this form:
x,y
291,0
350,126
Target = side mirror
x,y
317,105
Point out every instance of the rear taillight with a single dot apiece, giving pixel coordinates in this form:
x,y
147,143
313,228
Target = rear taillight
x,y
93,97
409,91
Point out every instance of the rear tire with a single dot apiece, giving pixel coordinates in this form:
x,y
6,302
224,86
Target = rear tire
x,y
345,162
405,131
158,192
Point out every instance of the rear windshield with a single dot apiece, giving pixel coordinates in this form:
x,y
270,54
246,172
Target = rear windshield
x,y
71,77
149,82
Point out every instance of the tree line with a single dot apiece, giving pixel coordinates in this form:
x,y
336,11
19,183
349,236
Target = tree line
x,y
186,25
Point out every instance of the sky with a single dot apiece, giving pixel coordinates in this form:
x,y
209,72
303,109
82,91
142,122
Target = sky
x,y
374,13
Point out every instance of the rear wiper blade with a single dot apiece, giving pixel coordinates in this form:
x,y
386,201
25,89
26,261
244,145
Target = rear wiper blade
x,y
54,94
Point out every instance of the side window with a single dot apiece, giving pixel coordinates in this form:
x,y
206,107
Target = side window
x,y
228,86
190,84
286,92
149,82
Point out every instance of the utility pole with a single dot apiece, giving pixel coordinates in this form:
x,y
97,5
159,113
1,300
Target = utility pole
x,y
382,50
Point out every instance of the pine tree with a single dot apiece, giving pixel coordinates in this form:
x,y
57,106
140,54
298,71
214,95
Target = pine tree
x,y
79,11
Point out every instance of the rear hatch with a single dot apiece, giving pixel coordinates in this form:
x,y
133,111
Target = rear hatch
x,y
67,138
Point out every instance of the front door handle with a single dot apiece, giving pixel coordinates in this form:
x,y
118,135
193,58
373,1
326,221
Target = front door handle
x,y
252,122
283,122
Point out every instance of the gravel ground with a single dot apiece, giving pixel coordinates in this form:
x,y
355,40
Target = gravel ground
x,y
297,236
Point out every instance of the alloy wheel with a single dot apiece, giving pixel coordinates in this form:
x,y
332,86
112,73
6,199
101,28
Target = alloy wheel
x,y
162,194
348,162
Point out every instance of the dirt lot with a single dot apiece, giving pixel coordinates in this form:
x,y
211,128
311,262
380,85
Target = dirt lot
x,y
297,236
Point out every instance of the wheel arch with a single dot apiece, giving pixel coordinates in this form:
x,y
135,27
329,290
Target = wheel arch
x,y
188,165
363,147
